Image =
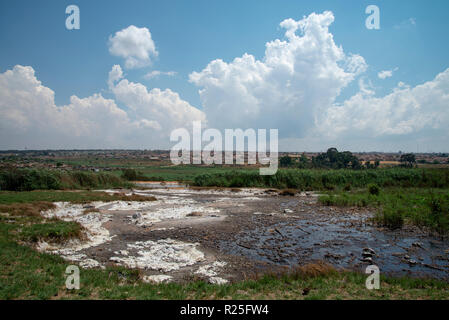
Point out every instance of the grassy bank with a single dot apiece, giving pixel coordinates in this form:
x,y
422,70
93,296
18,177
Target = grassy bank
x,y
39,179
329,179
395,206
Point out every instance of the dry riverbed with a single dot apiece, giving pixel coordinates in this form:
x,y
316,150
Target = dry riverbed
x,y
223,235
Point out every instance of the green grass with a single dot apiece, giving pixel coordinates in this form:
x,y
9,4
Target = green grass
x,y
423,207
40,179
54,231
10,197
188,173
159,171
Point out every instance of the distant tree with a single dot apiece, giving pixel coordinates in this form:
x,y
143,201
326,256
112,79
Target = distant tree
x,y
333,155
285,161
303,162
130,174
355,163
336,160
408,159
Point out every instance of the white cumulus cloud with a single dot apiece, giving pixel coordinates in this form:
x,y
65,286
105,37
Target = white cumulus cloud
x,y
164,107
408,112
30,118
135,45
298,78
293,88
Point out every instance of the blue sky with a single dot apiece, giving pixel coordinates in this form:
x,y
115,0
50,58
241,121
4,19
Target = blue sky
x,y
188,35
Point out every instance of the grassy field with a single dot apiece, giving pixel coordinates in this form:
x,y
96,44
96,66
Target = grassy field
x,y
154,170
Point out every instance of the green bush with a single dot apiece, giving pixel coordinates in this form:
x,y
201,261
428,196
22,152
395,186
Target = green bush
x,y
29,179
373,189
130,174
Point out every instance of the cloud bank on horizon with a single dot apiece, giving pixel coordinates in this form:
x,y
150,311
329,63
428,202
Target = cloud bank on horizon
x,y
293,87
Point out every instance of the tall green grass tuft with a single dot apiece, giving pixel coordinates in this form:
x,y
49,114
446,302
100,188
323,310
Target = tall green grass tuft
x,y
391,216
425,207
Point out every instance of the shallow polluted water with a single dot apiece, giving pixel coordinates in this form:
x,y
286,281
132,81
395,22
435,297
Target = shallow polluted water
x,y
222,235
346,241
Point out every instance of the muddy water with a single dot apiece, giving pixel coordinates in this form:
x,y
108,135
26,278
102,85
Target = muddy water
x,y
224,235
341,241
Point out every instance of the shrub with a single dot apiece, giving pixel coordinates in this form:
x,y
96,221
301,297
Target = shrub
x,y
130,174
373,189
